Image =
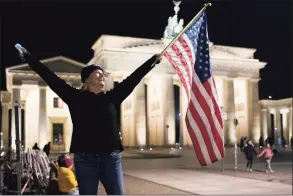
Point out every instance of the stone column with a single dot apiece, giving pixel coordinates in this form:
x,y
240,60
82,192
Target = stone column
x,y
169,111
278,124
269,122
21,136
140,115
255,111
229,108
290,124
156,125
264,123
43,125
285,123
147,109
185,138
15,97
5,99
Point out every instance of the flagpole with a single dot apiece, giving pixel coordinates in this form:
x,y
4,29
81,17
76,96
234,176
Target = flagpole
x,y
187,26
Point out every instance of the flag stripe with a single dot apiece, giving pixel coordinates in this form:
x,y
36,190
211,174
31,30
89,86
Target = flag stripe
x,y
201,121
206,116
197,140
215,95
181,77
186,48
206,101
179,54
214,120
190,47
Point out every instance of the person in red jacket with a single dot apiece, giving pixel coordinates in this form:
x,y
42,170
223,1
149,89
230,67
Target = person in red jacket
x,y
268,156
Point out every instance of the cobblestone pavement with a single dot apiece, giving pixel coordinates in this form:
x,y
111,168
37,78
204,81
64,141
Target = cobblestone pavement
x,y
205,183
257,174
136,186
281,164
165,158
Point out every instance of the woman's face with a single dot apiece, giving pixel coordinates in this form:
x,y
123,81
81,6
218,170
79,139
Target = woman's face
x,y
97,79
250,142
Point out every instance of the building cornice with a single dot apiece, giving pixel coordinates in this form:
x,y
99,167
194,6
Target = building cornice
x,y
281,103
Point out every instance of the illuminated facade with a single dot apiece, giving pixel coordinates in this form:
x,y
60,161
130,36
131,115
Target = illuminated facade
x,y
148,115
43,115
276,118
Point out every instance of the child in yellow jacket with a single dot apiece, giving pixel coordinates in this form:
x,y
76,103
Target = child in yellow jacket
x,y
66,179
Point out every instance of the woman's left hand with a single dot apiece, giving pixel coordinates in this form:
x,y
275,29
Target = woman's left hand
x,y
159,58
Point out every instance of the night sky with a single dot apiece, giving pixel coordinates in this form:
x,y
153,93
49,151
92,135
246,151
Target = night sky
x,y
69,28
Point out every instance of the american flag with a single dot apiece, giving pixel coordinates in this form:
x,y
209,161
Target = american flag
x,y
190,58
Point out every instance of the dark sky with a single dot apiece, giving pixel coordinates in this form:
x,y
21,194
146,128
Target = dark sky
x,y
69,28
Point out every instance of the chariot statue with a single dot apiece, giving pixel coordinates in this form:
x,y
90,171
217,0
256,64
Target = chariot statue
x,y
174,27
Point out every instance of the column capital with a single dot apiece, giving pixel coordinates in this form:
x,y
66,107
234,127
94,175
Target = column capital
x,y
284,110
230,78
117,78
272,110
5,97
254,80
43,87
177,82
146,80
22,104
14,86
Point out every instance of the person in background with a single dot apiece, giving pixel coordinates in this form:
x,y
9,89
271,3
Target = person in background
x,y
267,151
249,151
245,141
279,143
47,148
66,179
241,143
284,142
35,147
261,142
52,188
291,142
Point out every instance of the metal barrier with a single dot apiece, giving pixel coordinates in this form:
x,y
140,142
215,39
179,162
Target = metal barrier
x,y
29,171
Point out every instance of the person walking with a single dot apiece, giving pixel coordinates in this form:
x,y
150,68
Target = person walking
x,y
96,142
268,153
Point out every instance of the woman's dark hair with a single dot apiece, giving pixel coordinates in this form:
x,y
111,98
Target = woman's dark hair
x,y
61,160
